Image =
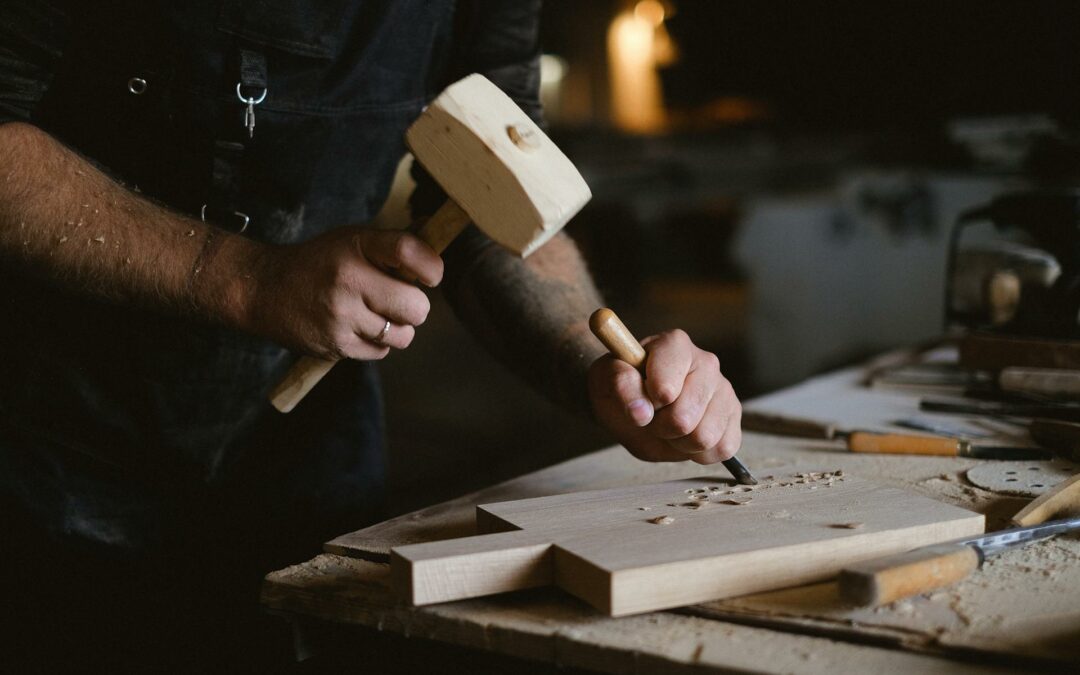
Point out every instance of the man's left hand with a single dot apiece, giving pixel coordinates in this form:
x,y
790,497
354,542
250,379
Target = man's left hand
x,y
684,408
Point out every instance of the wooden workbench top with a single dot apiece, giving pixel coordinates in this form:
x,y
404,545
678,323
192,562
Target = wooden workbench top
x,y
1022,608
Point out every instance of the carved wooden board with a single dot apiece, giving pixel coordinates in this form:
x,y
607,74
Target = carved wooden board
x,y
663,545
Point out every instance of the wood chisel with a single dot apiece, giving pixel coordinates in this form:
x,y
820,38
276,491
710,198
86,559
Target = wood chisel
x,y
940,428
787,425
884,580
879,582
618,339
1056,383
908,444
887,443
1058,411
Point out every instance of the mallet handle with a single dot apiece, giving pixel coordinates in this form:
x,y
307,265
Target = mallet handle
x,y
439,230
610,330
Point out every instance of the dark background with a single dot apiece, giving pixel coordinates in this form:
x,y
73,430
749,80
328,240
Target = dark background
x,y
800,238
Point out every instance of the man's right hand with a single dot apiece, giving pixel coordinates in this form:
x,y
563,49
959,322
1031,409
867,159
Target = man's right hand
x,y
332,296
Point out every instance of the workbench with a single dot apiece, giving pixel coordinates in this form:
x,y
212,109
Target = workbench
x,y
1021,611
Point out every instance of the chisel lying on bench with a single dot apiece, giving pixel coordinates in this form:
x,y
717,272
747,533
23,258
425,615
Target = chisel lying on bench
x,y
884,580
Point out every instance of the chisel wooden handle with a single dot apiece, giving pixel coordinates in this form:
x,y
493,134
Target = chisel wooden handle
x,y
884,580
1062,500
439,230
902,444
618,339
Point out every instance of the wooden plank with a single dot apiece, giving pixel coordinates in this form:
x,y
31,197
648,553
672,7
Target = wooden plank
x,y
642,548
1022,602
546,627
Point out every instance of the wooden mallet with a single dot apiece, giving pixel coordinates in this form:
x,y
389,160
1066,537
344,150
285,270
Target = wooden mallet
x,y
500,171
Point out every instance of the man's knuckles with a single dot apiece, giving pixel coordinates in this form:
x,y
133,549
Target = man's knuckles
x,y
625,383
700,440
663,392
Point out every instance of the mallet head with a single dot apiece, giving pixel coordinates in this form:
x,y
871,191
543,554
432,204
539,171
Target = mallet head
x,y
497,164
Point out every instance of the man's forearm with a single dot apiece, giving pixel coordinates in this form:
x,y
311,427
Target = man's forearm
x,y
65,222
533,315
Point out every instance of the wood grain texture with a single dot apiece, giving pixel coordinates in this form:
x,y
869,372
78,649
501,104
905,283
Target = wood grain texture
x,y
301,378
443,226
618,339
542,626
722,540
885,580
497,164
1022,605
1061,501
902,444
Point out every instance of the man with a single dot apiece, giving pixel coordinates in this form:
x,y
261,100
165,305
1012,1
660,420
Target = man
x,y
181,209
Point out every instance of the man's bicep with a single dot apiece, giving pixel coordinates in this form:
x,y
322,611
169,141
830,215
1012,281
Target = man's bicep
x,y
32,37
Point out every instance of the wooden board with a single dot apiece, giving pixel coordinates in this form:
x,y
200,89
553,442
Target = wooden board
x,y
542,626
606,547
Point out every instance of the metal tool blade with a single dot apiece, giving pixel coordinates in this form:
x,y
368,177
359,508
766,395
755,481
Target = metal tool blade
x,y
941,428
997,542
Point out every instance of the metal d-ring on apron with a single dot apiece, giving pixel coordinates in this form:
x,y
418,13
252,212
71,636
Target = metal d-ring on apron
x,y
244,218
249,114
227,154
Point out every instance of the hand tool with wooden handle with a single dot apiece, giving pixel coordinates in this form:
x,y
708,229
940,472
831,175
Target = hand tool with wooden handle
x,y
611,331
881,581
500,171
885,443
787,425
910,444
1062,500
1058,411
1058,383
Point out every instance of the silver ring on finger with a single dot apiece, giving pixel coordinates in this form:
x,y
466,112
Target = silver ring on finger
x,y
380,339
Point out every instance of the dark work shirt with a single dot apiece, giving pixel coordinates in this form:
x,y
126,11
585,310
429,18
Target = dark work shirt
x,y
124,426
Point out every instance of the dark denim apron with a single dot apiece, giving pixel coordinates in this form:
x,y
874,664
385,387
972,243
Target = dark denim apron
x,y
133,429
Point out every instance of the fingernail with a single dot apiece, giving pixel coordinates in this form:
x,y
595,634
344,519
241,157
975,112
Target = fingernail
x,y
641,411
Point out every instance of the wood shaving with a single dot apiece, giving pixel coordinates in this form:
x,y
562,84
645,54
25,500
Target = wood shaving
x,y
662,520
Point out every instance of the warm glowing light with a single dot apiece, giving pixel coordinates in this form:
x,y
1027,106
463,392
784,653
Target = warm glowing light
x,y
651,11
637,44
